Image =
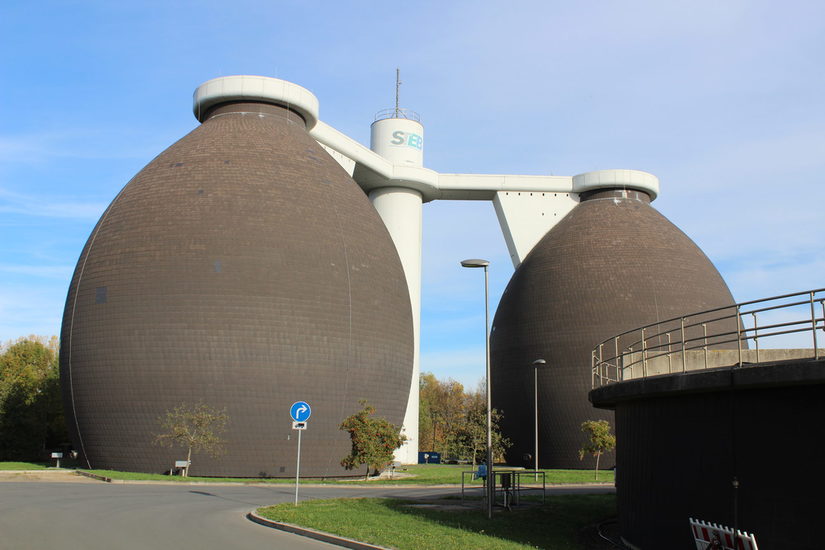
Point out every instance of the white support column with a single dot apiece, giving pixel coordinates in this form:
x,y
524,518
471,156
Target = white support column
x,y
526,216
401,211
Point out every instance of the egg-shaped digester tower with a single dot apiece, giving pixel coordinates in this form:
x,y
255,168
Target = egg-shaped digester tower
x,y
612,264
242,268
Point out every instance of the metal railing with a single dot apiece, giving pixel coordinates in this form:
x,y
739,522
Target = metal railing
x,y
392,112
713,338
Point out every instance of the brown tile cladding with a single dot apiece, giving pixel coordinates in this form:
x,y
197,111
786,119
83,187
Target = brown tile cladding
x,y
611,265
243,268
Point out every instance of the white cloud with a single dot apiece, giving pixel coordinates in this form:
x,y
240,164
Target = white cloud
x,y
30,309
62,272
722,100
110,142
50,207
762,278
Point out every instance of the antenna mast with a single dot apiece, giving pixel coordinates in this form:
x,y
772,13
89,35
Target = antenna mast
x,y
398,112
397,86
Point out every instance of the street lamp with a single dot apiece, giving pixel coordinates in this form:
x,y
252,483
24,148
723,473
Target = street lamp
x,y
491,479
536,364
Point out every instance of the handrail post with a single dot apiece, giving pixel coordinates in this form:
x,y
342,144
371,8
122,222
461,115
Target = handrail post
x,y
705,342
593,369
632,363
756,335
684,359
669,358
644,355
813,326
821,303
619,371
739,333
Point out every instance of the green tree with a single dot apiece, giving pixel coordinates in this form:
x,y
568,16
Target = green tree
x,y
194,427
600,440
441,411
374,439
468,439
31,409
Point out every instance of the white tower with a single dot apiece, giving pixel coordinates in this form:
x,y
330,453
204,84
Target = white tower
x,y
398,136
391,172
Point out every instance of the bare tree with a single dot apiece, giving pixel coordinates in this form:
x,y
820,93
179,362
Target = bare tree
x,y
194,427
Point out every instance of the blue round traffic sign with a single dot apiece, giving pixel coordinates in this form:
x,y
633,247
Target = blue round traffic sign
x,y
300,411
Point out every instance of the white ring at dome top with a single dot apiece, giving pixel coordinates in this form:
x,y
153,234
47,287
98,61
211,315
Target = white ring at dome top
x,y
609,179
255,88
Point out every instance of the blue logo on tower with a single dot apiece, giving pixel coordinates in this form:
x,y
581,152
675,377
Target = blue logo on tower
x,y
409,139
300,411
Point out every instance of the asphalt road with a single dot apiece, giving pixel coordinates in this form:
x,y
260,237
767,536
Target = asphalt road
x,y
103,516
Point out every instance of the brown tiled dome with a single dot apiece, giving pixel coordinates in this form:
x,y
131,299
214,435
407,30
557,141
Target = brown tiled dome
x,y
611,265
242,268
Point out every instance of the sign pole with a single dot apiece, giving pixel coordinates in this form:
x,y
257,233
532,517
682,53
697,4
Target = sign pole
x,y
298,467
300,412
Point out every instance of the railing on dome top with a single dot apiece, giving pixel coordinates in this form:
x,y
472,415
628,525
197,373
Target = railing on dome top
x,y
682,343
392,112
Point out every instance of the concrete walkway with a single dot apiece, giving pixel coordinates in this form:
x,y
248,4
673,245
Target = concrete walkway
x,y
57,476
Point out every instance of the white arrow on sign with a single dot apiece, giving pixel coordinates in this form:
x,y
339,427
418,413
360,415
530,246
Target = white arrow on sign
x,y
300,411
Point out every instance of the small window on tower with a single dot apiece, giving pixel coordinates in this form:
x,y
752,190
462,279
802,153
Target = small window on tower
x,y
100,295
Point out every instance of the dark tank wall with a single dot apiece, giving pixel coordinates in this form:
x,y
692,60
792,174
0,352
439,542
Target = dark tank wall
x,y
242,268
684,438
612,264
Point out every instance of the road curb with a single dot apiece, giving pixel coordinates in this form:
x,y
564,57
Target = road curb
x,y
93,476
313,534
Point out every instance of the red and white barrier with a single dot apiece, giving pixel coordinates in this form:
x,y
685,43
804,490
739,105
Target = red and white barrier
x,y
710,536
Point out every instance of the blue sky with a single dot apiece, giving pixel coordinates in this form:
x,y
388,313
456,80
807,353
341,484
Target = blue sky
x,y
723,101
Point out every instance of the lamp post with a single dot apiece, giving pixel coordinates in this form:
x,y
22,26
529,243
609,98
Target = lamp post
x,y
536,364
491,478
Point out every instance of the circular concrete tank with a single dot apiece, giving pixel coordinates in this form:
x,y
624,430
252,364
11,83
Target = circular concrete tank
x,y
245,269
612,264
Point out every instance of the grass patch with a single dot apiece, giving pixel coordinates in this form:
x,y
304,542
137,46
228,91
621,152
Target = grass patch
x,y
579,476
23,466
424,474
394,523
